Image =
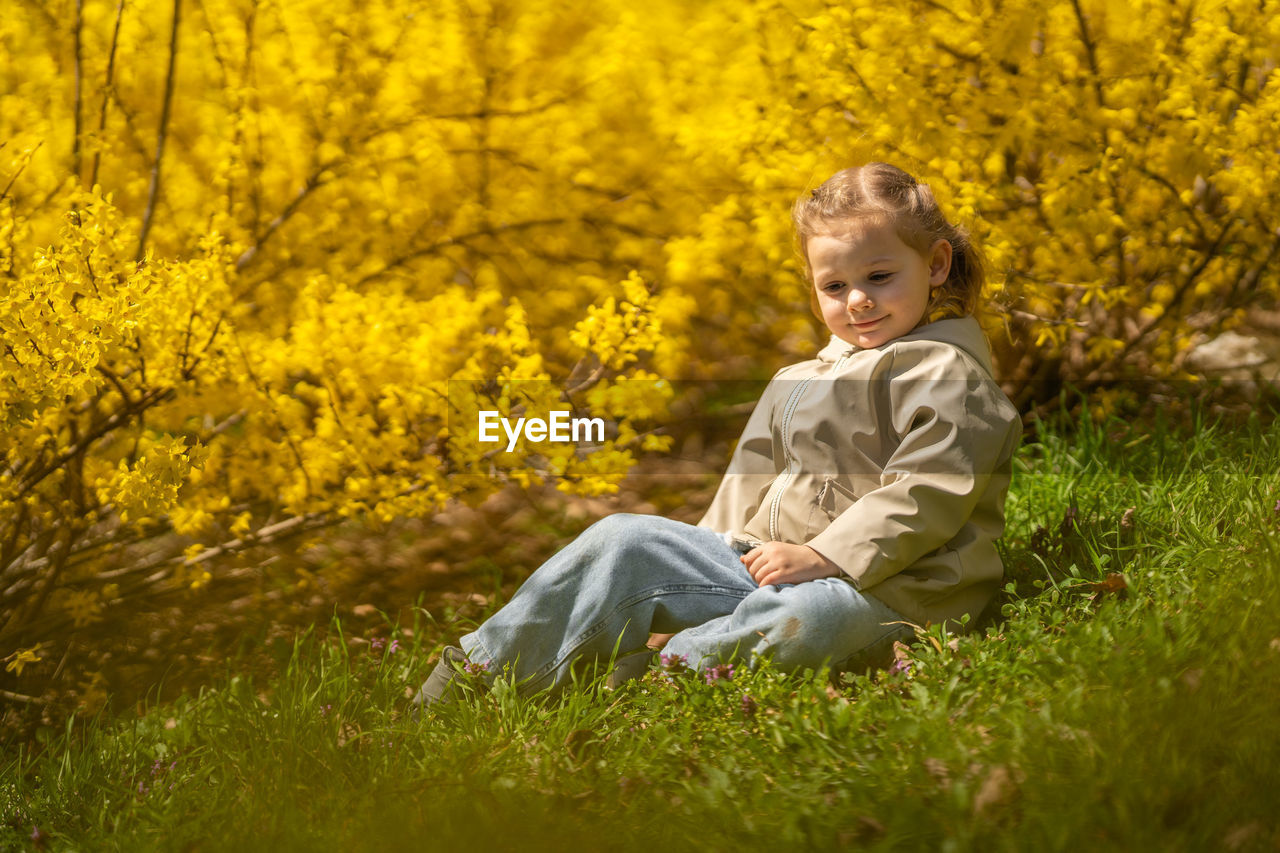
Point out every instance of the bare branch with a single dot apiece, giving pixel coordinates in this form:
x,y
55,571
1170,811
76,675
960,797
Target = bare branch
x,y
1091,52
77,129
106,95
5,193
162,134
151,398
486,113
313,183
18,697
460,239
18,620
1145,331
115,380
263,536
10,550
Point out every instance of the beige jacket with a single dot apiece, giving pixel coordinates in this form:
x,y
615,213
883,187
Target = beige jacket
x,y
891,462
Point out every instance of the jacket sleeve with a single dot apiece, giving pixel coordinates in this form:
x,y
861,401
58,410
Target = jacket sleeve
x,y
956,434
751,469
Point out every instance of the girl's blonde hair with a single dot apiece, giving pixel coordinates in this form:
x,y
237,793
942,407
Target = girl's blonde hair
x,y
879,191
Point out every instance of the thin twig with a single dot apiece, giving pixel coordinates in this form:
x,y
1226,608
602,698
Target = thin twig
x,y
1154,322
313,183
263,536
492,113
77,129
18,697
79,554
1091,52
5,192
10,549
151,398
163,134
460,239
18,620
106,95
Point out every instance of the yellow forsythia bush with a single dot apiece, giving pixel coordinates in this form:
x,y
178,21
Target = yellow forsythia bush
x,y
1116,158
266,262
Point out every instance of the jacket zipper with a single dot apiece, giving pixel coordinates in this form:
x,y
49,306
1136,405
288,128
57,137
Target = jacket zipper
x,y
789,472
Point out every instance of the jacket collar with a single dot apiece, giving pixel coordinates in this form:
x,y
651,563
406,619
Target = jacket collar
x,y
962,332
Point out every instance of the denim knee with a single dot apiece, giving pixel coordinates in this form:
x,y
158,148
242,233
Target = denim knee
x,y
623,532
799,633
819,622
619,529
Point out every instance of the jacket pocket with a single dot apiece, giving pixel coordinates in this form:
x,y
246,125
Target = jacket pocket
x,y
832,499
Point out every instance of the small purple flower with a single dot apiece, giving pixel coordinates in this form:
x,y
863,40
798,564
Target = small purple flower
x,y
721,671
674,663
377,643
394,647
1276,508
473,668
749,705
901,666
38,837
324,710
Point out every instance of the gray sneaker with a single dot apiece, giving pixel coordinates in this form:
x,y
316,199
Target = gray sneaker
x,y
630,666
441,684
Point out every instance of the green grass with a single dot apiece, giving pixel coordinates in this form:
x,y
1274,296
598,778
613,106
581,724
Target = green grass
x,y
1078,715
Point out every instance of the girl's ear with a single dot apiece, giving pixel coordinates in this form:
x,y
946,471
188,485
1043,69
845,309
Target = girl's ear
x,y
939,258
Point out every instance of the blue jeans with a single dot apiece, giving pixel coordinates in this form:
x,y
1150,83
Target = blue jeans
x,y
628,576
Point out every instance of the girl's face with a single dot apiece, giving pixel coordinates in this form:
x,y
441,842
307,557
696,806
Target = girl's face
x,y
873,288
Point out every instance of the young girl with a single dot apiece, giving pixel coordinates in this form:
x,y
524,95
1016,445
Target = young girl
x,y
866,491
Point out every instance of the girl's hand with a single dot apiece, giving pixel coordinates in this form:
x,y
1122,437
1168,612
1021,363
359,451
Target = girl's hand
x,y
782,562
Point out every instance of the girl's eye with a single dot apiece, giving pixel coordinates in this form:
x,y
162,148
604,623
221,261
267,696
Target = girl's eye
x,y
833,286
879,276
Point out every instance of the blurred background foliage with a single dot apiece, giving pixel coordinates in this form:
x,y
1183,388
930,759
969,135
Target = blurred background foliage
x,y
262,259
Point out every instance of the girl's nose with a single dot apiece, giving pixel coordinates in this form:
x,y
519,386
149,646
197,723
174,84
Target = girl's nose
x,y
858,300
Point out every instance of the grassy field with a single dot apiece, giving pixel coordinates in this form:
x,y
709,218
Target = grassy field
x,y
1123,696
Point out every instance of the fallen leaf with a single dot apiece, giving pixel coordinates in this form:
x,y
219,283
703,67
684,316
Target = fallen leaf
x,y
997,790
1112,584
867,829
1239,837
575,743
364,610
835,695
901,651
938,769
